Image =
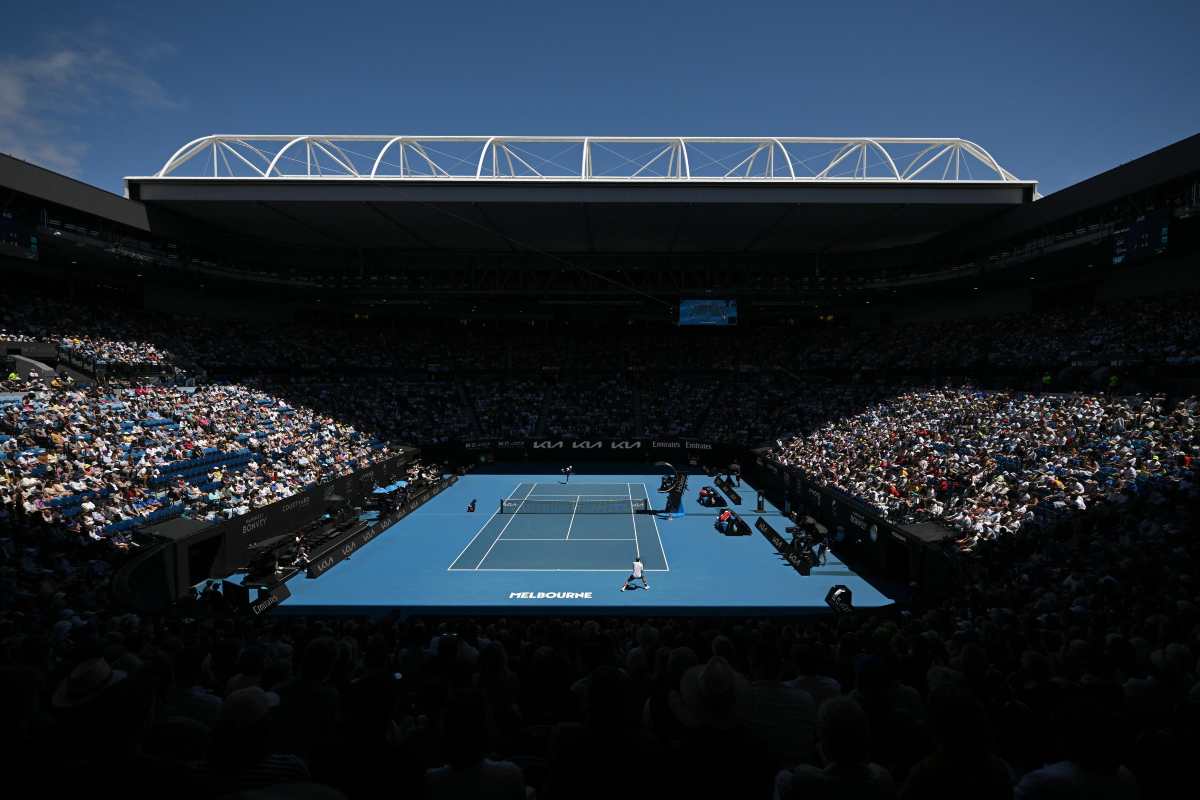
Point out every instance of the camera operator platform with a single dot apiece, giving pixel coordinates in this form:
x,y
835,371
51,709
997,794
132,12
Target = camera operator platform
x,y
673,485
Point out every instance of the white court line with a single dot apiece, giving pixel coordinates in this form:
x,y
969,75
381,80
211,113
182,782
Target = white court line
x,y
542,569
547,497
657,532
576,539
481,528
572,522
633,518
502,530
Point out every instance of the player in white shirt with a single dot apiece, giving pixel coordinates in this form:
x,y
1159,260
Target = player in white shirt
x,y
566,471
638,574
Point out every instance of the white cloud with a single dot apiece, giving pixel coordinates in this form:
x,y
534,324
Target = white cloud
x,y
43,96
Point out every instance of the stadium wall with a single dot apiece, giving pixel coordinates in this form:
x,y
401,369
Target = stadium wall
x,y
189,554
872,543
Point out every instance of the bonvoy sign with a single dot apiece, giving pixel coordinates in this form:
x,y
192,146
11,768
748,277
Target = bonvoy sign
x,y
254,523
549,595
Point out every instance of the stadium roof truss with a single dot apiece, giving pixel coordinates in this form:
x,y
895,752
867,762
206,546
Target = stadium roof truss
x,y
587,159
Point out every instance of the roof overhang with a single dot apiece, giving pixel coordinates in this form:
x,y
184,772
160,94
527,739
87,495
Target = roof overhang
x,y
582,194
564,216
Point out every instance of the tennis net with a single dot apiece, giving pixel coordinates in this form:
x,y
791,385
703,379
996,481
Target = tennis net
x,y
575,505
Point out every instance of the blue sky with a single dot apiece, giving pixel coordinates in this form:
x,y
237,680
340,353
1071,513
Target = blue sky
x,y
1057,91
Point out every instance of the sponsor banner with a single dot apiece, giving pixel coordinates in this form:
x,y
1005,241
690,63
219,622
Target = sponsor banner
x,y
834,508
272,598
781,546
549,595
296,511
332,556
610,447
726,486
347,547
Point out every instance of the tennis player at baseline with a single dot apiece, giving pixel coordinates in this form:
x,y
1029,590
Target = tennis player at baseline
x,y
638,574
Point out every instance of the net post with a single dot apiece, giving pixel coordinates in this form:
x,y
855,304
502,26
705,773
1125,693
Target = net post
x,y
501,511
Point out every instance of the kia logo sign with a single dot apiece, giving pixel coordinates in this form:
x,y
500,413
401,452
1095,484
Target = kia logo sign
x,y
546,445
626,445
586,445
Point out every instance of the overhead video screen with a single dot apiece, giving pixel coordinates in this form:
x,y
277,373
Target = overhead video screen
x,y
1147,236
708,312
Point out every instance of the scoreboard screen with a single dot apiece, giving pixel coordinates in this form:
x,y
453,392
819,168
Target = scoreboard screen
x,y
1145,237
708,312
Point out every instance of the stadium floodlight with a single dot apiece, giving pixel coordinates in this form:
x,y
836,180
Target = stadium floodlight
x,y
803,159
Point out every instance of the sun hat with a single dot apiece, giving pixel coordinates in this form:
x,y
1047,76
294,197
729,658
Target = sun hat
x,y
86,682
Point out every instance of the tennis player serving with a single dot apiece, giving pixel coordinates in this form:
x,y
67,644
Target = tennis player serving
x,y
638,574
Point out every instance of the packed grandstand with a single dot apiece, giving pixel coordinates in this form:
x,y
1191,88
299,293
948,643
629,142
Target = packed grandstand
x,y
1057,446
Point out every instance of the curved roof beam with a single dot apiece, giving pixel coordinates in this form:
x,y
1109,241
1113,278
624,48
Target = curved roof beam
x,y
949,146
886,155
178,158
273,166
915,160
986,157
383,152
483,156
788,158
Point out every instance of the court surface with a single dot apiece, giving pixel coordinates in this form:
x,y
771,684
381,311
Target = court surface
x,y
443,559
574,538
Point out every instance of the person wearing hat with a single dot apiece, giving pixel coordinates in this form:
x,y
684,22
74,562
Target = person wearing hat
x,y
86,682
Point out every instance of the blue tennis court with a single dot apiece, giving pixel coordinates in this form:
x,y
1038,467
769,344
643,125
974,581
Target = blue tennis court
x,y
589,527
539,544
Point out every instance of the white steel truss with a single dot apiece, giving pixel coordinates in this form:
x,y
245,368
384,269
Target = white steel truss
x,y
587,158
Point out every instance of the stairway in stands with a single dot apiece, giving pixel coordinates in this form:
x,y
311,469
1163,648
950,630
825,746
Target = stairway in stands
x,y
468,402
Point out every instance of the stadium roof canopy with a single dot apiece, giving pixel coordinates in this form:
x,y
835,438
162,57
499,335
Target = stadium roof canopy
x,y
582,193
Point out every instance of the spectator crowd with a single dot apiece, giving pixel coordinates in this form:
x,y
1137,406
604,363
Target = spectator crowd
x,y
1063,665
98,462
993,463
